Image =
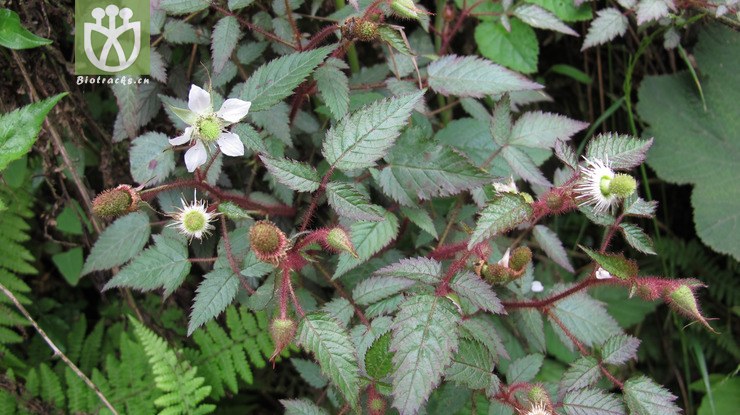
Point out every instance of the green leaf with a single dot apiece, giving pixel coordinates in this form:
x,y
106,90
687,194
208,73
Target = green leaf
x,y
516,49
333,86
393,37
698,146
151,158
620,349
615,264
164,265
330,344
180,32
524,166
622,151
177,7
724,396
301,406
348,201
550,243
379,359
368,238
296,175
609,24
277,79
19,129
502,214
15,36
524,369
585,318
590,401
362,138
530,324
425,170
121,241
310,372
637,238
214,294
540,18
239,4
420,218
582,373
424,340
472,366
637,206
374,289
470,76
420,269
645,397
477,291
480,327
565,10
225,36
69,264
543,129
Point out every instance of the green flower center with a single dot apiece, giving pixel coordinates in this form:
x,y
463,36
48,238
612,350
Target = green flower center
x,y
623,185
605,184
194,221
209,128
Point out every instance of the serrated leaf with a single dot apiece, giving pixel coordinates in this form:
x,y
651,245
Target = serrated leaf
x,y
177,7
332,348
350,202
296,175
362,138
239,4
165,265
503,213
582,373
523,166
620,349
420,218
524,369
379,359
180,32
393,37
19,129
15,36
550,243
368,238
515,47
425,270
310,372
333,86
590,401
637,238
225,36
585,318
424,340
640,207
480,327
622,151
543,129
214,294
277,79
374,289
645,397
302,407
649,10
151,158
566,154
120,242
472,366
540,18
340,309
477,291
615,264
469,76
609,23
363,336
532,327
425,170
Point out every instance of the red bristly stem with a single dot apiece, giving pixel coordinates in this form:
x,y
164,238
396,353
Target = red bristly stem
x,y
315,200
284,292
610,233
252,27
320,36
230,256
343,294
447,38
588,282
242,201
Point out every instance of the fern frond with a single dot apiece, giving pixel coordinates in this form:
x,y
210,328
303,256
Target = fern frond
x,y
183,390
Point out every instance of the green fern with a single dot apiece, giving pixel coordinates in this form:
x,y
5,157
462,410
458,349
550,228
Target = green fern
x,y
227,356
15,260
183,390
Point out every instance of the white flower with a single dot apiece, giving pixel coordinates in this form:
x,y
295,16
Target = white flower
x,y
602,274
193,220
537,287
504,261
593,188
207,127
539,409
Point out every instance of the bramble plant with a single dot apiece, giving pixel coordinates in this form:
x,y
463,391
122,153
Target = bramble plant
x,y
409,240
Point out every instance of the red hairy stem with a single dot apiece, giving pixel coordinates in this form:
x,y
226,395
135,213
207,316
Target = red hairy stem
x,y
340,290
447,37
296,304
448,251
315,200
588,282
230,256
284,292
320,36
610,233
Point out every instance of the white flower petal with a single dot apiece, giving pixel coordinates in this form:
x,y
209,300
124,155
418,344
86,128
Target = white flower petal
x,y
504,261
233,110
184,138
230,144
196,156
602,274
199,100
537,287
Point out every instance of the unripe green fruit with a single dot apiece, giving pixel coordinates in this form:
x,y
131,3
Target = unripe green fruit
x,y
116,202
209,128
282,331
622,185
496,274
339,240
520,258
268,242
537,394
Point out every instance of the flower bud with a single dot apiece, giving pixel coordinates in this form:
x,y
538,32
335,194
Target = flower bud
x,y
405,8
538,395
338,240
375,405
520,258
496,274
622,185
268,242
116,202
683,301
282,331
